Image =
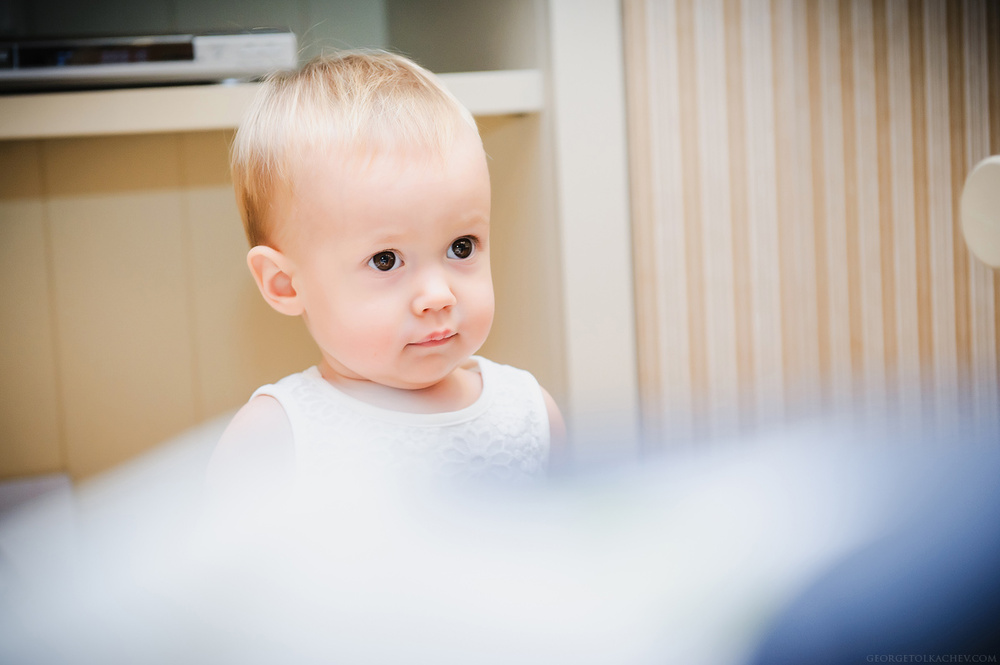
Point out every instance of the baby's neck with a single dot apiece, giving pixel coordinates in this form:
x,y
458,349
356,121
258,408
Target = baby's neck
x,y
456,391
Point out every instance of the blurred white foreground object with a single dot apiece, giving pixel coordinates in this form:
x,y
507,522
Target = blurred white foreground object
x,y
691,558
981,211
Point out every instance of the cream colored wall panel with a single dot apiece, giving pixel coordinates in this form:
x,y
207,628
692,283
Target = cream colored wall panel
x,y
124,340
22,171
787,181
858,122
796,241
803,259
736,130
659,250
904,225
96,168
29,413
762,212
838,334
635,33
587,102
120,294
939,209
984,371
29,416
869,250
717,235
668,259
204,161
524,254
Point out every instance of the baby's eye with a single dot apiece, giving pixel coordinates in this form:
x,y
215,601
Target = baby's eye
x,y
384,261
462,248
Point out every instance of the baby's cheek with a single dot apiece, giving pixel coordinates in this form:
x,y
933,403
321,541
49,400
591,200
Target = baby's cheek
x,y
371,343
354,338
382,349
482,306
485,297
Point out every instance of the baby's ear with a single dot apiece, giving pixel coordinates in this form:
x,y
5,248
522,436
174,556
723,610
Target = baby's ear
x,y
272,271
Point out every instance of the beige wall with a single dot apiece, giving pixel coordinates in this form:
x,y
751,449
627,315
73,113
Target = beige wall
x,y
128,313
796,171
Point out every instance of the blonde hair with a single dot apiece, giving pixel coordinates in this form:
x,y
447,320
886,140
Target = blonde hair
x,y
356,101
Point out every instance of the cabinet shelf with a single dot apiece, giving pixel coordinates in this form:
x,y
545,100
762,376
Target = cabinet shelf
x,y
220,106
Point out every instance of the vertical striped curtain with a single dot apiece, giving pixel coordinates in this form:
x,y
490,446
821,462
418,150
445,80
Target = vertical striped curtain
x,y
796,171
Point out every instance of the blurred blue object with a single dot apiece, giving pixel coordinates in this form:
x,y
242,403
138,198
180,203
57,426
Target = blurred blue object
x,y
929,585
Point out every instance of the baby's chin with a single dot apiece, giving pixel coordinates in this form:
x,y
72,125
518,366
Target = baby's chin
x,y
419,380
409,373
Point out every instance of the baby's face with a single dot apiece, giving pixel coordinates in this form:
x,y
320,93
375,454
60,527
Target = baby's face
x,y
393,262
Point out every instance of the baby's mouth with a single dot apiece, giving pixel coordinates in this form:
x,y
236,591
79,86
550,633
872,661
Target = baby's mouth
x,y
436,338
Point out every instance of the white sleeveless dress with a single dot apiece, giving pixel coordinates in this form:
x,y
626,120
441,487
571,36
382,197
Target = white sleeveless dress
x,y
503,435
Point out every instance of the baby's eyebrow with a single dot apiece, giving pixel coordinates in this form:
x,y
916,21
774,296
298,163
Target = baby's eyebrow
x,y
387,239
481,219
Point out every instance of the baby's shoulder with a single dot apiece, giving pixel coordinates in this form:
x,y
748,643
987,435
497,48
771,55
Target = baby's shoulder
x,y
256,445
520,389
499,376
262,413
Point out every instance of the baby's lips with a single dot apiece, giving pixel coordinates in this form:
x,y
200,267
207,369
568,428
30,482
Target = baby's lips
x,y
437,337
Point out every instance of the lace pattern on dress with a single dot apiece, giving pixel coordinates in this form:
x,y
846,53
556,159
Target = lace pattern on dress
x,y
503,436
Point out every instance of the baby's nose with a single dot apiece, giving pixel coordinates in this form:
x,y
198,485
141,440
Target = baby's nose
x,y
434,293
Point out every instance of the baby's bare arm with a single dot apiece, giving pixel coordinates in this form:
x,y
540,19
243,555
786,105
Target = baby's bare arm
x,y
255,456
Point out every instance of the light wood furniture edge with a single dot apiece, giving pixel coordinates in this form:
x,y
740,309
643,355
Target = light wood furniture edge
x,y
213,107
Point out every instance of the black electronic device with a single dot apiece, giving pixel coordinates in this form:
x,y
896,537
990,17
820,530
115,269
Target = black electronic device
x,y
95,62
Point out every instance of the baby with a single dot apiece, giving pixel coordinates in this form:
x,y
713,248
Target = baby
x,y
365,195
